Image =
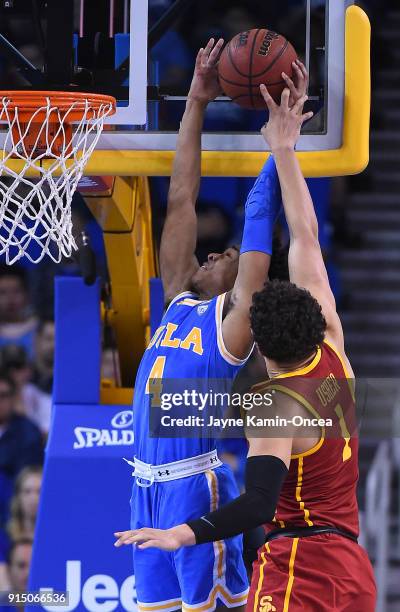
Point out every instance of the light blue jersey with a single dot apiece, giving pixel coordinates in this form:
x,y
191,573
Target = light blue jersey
x,y
187,345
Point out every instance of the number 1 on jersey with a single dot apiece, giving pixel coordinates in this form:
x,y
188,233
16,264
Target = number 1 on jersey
x,y
345,432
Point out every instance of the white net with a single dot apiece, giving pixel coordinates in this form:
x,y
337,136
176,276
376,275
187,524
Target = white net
x,y
35,201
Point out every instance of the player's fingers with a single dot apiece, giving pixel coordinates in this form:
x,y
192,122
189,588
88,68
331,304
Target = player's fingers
x,y
272,106
130,537
303,69
123,543
135,539
290,84
199,56
285,98
123,538
208,50
144,534
119,542
150,544
214,55
123,534
299,74
298,107
306,117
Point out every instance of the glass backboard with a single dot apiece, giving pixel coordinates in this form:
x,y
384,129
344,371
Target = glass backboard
x,y
143,53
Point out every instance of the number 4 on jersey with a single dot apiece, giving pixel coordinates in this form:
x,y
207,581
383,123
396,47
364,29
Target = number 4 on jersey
x,y
154,381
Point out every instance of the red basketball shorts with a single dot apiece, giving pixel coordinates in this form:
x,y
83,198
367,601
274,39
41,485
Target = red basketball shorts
x,y
321,573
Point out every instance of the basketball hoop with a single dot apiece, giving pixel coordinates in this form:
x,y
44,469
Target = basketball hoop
x,y
35,213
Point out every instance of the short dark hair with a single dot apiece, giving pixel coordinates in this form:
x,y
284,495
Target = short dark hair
x,y
287,322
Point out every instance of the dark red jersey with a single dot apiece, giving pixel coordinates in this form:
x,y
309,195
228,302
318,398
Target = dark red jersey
x,y
328,571
320,488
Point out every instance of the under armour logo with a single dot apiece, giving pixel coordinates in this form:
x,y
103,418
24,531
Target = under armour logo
x,y
166,473
266,604
213,459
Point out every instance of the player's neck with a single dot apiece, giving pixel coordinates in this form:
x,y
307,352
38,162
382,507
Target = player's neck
x,y
275,369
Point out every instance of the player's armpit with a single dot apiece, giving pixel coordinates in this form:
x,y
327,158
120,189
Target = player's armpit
x,y
236,330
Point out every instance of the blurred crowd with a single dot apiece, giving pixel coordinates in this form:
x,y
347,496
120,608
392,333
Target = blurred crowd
x,y
26,379
27,332
27,337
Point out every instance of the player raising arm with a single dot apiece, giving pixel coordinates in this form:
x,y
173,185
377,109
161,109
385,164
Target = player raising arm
x,y
301,483
180,270
178,263
204,334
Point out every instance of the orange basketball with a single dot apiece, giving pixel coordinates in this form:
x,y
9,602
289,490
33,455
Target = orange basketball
x,y
251,58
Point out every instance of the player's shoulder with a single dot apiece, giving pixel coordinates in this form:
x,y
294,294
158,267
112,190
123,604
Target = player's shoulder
x,y
181,297
261,386
188,306
337,350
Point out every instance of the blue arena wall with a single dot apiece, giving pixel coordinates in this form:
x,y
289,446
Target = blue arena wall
x,y
86,484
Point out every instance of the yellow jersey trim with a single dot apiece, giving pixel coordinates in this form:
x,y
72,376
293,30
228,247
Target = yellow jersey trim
x,y
170,604
177,297
277,520
260,385
311,409
298,493
220,340
291,574
308,368
260,580
218,591
349,378
219,546
190,302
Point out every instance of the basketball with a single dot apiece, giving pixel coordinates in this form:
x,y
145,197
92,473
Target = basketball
x,y
251,58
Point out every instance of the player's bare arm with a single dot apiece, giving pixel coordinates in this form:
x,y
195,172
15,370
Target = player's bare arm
x,y
178,243
306,264
254,264
267,466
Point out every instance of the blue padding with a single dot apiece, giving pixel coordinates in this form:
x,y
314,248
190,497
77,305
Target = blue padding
x,y
78,342
156,303
84,499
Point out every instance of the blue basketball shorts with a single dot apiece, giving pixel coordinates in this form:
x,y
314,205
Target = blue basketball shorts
x,y
194,577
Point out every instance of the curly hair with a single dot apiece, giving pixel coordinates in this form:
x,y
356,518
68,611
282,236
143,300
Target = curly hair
x,y
287,322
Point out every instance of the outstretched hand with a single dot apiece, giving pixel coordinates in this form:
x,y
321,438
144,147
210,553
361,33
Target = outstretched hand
x,y
164,539
299,85
284,124
205,86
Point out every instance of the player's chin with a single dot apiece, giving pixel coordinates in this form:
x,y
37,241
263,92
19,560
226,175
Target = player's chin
x,y
199,278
